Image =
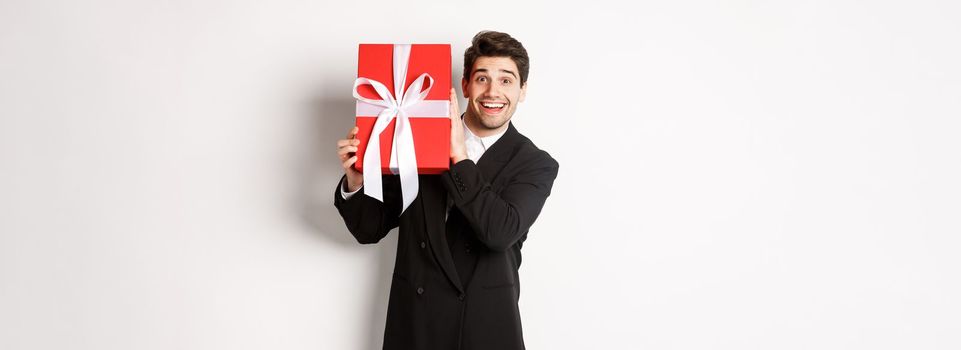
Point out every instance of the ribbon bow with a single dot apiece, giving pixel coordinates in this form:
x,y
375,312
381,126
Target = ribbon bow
x,y
402,156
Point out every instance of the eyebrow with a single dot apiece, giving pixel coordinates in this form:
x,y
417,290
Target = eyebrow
x,y
502,70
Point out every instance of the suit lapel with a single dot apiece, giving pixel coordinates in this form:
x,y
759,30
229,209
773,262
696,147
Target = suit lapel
x,y
434,202
495,157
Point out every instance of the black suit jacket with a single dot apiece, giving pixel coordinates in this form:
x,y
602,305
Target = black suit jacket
x,y
451,296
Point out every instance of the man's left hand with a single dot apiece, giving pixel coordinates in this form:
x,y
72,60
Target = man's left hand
x,y
458,149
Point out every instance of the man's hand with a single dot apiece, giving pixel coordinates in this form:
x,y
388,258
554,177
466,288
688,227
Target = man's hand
x,y
458,150
346,149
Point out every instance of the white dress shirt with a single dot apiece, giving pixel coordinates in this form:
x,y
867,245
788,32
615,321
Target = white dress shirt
x,y
476,146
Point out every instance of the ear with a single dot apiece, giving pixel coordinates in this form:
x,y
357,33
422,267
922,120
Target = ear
x,y
463,87
523,92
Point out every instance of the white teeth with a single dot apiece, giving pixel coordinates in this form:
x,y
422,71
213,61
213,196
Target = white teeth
x,y
493,105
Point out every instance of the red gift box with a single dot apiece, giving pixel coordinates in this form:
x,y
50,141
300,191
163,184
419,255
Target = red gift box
x,y
431,134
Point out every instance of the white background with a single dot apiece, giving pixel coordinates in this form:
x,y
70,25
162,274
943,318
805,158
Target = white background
x,y
734,174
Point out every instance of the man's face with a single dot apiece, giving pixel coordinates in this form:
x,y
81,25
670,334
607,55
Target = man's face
x,y
493,91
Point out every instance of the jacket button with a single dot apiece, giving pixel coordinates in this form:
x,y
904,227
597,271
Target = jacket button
x,y
460,297
422,244
420,290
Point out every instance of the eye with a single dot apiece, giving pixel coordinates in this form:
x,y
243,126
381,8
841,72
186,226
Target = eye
x,y
481,79
506,81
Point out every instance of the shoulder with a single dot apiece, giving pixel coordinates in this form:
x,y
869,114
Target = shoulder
x,y
530,156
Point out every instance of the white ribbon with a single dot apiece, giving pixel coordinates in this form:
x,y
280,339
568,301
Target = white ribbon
x,y
412,102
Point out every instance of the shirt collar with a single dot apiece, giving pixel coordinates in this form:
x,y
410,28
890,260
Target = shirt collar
x,y
486,141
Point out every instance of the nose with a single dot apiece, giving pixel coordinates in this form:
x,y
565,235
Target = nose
x,y
492,91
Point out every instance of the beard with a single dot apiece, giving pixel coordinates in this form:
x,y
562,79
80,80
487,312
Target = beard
x,y
495,122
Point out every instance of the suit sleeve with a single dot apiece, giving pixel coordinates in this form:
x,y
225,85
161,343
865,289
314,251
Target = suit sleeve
x,y
499,220
367,219
343,189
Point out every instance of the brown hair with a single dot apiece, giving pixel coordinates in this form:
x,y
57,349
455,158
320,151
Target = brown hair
x,y
496,44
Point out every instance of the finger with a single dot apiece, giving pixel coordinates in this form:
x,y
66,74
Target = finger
x,y
347,143
346,149
453,102
352,132
454,113
342,143
350,161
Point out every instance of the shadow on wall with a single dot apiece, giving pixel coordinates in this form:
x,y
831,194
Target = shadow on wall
x,y
331,118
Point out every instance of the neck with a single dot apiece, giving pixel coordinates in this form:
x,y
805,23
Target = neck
x,y
478,129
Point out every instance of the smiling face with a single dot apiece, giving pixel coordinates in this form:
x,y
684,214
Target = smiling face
x,y
493,92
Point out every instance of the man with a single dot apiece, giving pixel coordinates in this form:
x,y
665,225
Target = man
x,y
455,283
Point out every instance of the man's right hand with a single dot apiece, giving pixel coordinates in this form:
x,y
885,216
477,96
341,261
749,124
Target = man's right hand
x,y
346,149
